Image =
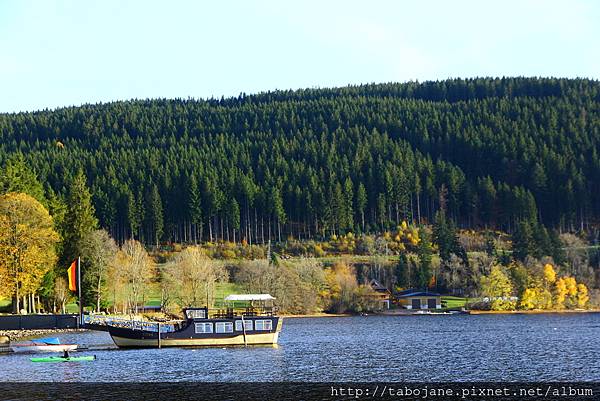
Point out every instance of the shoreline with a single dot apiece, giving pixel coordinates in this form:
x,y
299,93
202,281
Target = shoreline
x,y
532,312
29,333
317,315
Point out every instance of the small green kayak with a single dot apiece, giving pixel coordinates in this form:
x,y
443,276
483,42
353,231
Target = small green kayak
x,y
63,359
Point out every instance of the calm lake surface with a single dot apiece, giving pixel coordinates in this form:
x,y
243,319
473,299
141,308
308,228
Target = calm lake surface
x,y
373,348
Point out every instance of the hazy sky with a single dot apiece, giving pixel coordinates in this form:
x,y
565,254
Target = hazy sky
x,y
61,53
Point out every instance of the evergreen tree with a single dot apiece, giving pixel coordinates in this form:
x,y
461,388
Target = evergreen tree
x,y
443,235
557,248
79,219
522,241
361,203
133,214
349,204
16,176
154,216
194,206
541,241
424,252
381,211
234,215
402,272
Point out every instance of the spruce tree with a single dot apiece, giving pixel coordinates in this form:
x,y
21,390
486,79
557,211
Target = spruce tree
x,y
16,176
79,219
424,252
522,241
154,214
361,203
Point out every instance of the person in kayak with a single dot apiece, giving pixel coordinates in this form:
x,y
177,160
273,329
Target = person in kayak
x,y
66,354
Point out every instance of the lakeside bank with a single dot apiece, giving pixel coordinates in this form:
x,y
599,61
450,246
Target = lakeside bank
x,y
532,312
13,335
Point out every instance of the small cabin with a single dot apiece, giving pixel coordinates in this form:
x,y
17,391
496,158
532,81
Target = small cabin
x,y
417,299
381,293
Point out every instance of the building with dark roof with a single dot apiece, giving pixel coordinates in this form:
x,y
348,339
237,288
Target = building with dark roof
x,y
382,294
418,299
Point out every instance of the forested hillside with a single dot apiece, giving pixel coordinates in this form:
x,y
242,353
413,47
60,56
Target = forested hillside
x,y
309,163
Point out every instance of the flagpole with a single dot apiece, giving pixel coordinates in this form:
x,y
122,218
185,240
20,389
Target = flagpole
x,y
80,320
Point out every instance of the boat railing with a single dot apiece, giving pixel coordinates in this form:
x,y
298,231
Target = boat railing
x,y
230,313
130,323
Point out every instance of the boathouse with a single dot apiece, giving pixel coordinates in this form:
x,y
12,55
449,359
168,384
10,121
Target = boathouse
x,y
418,299
381,293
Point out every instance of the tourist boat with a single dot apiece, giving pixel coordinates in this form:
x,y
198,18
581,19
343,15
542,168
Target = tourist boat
x,y
42,345
251,325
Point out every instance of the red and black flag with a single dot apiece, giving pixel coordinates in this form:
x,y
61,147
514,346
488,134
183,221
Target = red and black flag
x,y
72,271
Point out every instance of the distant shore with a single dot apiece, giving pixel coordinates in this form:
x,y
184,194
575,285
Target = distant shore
x,y
531,312
318,315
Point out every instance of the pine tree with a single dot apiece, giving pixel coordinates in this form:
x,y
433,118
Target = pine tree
x,y
79,219
361,203
424,252
541,241
234,216
522,241
402,272
381,211
133,214
339,218
16,176
278,210
557,250
154,214
194,206
443,235
349,204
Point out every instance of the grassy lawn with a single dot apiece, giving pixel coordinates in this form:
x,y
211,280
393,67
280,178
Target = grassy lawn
x,y
153,295
224,289
5,305
454,302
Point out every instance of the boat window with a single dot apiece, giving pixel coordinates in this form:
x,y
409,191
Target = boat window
x,y
196,314
264,325
247,323
224,327
203,327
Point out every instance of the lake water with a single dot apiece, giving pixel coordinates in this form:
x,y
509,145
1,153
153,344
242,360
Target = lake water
x,y
550,347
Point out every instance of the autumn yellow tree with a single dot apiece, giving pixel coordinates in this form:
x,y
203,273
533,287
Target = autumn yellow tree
x,y
582,295
27,245
569,294
342,283
549,274
345,294
571,290
537,295
498,288
536,298
560,293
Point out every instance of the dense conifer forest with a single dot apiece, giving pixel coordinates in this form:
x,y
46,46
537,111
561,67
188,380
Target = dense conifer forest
x,y
311,163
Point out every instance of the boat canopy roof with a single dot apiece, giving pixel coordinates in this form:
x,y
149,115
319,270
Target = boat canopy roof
x,y
249,297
